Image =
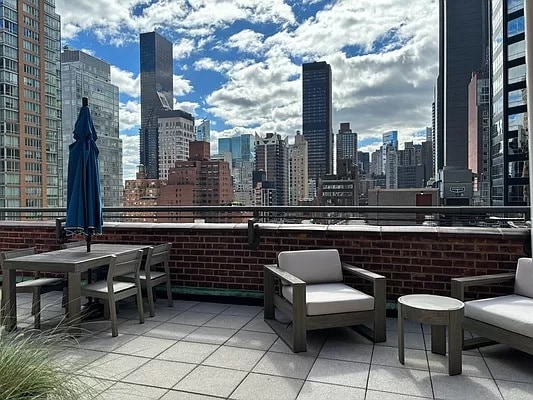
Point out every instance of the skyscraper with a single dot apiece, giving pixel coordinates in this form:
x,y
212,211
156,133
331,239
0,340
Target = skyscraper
x,y
509,131
463,41
316,117
346,151
271,157
30,104
86,76
175,132
203,131
298,180
156,95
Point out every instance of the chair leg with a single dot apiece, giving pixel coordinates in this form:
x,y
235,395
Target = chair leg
x,y
169,294
140,309
151,295
113,315
36,307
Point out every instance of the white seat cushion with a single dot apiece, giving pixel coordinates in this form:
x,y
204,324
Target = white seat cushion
x,y
312,266
332,298
524,277
101,287
513,313
142,275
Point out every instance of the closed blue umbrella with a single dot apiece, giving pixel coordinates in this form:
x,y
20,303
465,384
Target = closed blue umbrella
x,y
84,200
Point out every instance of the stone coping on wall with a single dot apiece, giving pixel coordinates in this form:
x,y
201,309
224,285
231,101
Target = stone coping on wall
x,y
362,229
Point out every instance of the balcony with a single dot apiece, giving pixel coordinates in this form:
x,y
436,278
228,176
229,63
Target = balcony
x,y
214,341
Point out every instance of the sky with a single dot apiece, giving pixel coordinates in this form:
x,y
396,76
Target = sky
x,y
238,62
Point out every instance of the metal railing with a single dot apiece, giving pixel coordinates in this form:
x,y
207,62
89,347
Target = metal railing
x,y
500,217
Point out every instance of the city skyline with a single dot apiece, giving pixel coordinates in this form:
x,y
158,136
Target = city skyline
x,y
239,65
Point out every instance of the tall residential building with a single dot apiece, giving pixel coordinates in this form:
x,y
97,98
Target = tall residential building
x,y
175,132
271,153
316,117
479,134
203,131
83,75
346,151
509,130
463,41
363,159
156,95
298,179
30,105
198,180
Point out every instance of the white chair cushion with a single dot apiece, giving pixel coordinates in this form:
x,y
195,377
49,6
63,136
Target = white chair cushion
x,y
312,266
524,277
332,298
513,313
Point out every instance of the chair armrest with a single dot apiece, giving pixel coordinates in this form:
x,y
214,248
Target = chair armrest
x,y
460,284
361,273
282,274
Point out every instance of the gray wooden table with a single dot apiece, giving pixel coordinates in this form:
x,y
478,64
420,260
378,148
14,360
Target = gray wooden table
x,y
439,312
71,261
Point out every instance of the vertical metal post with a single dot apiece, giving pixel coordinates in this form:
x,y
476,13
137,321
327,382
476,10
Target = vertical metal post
x,y
528,23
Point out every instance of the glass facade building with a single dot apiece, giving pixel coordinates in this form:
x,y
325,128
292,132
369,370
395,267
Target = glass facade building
x,y
156,67
463,45
509,132
203,131
30,104
316,117
86,76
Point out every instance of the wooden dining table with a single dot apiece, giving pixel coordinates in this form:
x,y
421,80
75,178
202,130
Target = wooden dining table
x,y
73,261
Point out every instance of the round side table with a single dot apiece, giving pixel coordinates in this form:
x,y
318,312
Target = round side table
x,y
439,312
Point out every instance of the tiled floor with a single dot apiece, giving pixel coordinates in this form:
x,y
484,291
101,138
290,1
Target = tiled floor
x,y
210,351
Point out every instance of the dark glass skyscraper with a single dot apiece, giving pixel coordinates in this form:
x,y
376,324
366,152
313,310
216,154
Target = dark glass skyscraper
x,y
509,131
463,44
156,95
316,117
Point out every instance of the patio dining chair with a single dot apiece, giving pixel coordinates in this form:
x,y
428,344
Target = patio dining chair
x,y
156,271
111,290
36,286
309,287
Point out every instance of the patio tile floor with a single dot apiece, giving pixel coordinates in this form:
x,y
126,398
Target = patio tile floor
x,y
201,350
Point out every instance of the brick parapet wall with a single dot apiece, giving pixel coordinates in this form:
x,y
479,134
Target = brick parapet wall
x,y
217,257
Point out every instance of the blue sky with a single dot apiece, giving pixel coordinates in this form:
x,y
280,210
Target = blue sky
x,y
238,62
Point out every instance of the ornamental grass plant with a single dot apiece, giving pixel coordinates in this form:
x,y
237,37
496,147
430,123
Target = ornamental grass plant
x,y
31,367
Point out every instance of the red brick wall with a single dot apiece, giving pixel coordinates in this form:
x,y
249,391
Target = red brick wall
x,y
414,260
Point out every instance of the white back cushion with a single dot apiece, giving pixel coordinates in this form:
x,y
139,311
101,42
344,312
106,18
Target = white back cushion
x,y
524,277
312,266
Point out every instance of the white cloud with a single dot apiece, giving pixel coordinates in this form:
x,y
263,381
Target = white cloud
x,y
126,81
246,41
183,48
187,106
181,86
130,155
129,115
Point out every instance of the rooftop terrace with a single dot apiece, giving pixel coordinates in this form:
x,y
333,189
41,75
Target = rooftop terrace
x,y
205,350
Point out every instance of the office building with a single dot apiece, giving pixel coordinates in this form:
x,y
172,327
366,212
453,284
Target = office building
x,y
271,158
240,146
479,134
316,117
463,43
175,132
509,131
30,105
363,159
156,95
203,131
346,151
298,178
86,76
